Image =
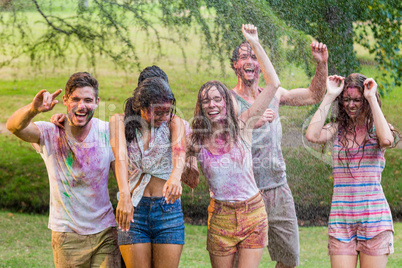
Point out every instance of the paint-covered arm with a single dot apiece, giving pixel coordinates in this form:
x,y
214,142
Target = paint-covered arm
x,y
20,121
125,209
172,189
271,78
316,131
314,93
382,128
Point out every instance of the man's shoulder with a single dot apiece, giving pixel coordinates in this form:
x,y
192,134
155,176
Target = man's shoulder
x,y
45,126
100,130
100,124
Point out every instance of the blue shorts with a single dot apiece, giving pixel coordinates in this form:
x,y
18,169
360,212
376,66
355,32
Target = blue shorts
x,y
155,222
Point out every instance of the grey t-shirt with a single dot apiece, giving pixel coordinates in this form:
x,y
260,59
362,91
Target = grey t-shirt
x,y
268,163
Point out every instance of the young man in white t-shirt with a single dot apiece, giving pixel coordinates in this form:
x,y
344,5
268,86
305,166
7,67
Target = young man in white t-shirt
x,y
78,159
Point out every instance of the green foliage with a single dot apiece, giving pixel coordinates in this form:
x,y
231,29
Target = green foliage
x,y
108,28
331,22
220,33
384,19
78,31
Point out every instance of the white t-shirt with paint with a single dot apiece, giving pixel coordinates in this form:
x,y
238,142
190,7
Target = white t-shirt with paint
x,y
78,177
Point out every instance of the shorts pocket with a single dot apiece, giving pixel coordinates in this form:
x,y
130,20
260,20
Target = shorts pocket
x,y
175,207
58,238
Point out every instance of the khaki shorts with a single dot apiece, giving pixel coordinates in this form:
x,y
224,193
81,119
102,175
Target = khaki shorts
x,y
381,244
233,225
283,233
95,250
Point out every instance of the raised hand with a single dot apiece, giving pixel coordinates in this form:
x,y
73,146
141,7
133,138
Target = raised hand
x,y
250,32
335,85
44,101
370,88
319,51
58,120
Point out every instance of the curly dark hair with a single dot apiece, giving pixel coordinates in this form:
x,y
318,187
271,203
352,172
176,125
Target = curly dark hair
x,y
202,127
151,91
347,125
152,71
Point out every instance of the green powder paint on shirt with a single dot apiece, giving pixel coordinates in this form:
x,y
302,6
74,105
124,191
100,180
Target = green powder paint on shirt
x,y
70,160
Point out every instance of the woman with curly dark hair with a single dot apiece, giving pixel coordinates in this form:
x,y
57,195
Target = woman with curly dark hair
x,y
360,222
149,146
221,140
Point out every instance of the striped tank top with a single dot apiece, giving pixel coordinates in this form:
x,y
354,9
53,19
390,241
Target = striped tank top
x,y
359,208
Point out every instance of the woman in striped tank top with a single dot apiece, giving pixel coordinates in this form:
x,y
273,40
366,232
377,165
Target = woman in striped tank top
x,y
360,222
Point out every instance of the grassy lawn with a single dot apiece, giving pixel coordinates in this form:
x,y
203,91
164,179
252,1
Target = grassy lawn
x,y
26,242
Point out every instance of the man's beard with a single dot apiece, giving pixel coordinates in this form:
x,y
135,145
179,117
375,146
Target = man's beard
x,y
247,82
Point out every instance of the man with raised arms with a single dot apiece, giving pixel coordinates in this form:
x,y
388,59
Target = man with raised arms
x,y
78,158
268,163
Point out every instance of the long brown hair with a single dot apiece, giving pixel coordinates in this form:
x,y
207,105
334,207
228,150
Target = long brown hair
x,y
347,125
202,127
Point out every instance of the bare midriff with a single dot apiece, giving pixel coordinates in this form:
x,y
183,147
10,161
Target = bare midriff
x,y
154,187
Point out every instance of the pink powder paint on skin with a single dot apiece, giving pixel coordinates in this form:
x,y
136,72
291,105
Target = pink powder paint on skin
x,y
178,149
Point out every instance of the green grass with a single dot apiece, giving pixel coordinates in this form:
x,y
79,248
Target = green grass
x,y
26,242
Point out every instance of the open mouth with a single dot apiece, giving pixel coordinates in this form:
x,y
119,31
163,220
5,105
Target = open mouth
x,y
213,113
80,115
249,70
353,112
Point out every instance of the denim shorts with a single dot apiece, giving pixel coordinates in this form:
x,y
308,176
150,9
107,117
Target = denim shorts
x,y
155,222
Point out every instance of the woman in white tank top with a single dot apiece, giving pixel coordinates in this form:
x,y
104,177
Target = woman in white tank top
x,y
221,141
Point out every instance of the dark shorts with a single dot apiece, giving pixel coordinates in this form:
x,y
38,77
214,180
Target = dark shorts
x,y
155,222
283,233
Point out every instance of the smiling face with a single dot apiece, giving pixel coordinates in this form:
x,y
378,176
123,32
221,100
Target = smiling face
x,y
81,105
213,104
247,67
352,100
156,114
